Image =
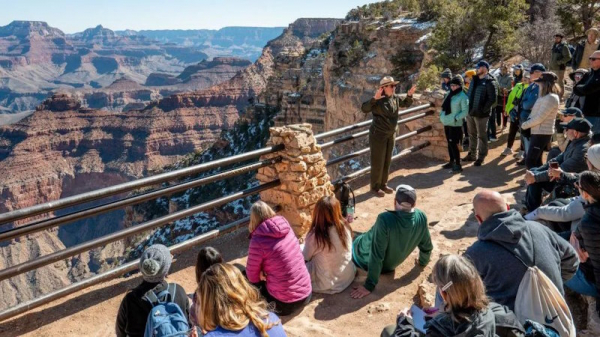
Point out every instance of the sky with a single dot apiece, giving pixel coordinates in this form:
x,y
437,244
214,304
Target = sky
x,y
75,16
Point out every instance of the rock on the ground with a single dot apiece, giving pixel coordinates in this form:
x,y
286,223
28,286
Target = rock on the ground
x,y
426,294
380,307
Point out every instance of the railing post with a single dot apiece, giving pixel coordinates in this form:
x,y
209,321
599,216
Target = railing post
x,y
439,147
302,172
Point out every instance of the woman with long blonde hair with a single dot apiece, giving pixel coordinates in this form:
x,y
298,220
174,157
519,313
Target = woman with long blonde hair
x,y
328,248
275,263
229,306
467,309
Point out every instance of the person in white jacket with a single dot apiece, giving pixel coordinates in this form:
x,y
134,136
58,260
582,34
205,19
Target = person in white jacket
x,y
542,118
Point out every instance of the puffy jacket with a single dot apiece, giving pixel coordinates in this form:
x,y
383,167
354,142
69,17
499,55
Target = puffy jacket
x,y
515,94
591,90
460,109
561,56
483,94
495,320
507,233
274,250
543,115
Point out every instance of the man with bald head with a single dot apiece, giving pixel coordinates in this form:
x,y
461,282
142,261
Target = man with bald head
x,y
590,89
504,237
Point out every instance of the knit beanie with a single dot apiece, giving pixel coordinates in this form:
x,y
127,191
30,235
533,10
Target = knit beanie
x,y
593,155
155,263
458,80
447,73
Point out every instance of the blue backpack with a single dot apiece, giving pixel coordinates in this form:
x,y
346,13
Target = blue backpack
x,y
166,317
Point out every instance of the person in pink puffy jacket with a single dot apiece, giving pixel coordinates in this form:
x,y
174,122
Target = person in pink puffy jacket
x,y
275,261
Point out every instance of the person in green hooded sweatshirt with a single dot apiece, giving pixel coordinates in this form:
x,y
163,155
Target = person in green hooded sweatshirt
x,y
391,240
384,105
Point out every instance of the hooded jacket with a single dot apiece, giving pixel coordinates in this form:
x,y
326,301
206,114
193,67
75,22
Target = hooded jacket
x,y
274,250
506,234
494,321
483,95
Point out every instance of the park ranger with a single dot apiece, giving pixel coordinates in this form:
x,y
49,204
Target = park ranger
x,y
384,106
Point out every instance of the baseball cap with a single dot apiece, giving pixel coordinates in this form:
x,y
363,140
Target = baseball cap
x,y
537,66
483,63
406,196
578,124
572,112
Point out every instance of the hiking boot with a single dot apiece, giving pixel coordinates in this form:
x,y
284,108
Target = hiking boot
x,y
469,157
508,151
478,162
387,189
378,193
456,169
447,166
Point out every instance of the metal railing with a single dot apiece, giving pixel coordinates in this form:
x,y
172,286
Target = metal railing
x,y
44,224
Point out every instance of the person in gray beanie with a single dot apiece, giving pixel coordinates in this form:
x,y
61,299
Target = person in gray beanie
x,y
154,266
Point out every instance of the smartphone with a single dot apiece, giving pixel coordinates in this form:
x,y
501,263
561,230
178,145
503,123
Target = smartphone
x,y
554,164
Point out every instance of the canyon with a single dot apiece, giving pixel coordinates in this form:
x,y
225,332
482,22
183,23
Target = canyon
x,y
64,148
37,60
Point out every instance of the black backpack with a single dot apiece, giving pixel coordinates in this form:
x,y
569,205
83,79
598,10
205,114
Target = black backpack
x,y
342,192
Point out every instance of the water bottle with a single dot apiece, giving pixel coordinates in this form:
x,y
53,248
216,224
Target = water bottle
x,y
350,213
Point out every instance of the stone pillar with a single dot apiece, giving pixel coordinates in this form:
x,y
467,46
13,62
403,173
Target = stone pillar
x,y
304,178
439,147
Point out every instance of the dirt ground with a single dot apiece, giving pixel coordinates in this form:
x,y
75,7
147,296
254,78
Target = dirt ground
x,y
445,198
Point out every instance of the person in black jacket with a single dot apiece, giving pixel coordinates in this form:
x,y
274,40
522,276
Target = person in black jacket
x,y
483,94
590,89
572,160
133,313
576,101
467,310
587,279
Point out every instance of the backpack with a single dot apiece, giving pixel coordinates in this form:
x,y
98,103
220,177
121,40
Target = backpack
x,y
539,300
342,193
166,317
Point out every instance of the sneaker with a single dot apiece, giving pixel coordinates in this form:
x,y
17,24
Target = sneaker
x,y
387,189
378,193
478,162
493,140
456,169
469,158
447,166
506,152
520,155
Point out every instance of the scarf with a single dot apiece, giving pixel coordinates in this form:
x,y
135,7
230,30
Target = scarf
x,y
446,107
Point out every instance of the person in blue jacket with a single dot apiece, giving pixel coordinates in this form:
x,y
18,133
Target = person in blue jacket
x,y
455,109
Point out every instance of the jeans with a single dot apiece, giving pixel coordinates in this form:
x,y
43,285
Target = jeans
x,y
595,123
533,196
478,140
453,137
581,285
282,308
491,125
525,142
537,145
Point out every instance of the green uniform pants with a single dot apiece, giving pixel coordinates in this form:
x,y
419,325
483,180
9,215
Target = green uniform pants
x,y
382,147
